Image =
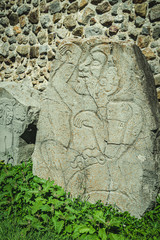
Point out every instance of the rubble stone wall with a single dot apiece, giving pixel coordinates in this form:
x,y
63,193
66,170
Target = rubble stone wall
x,y
31,30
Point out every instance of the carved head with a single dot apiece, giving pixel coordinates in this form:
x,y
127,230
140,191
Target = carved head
x,y
98,74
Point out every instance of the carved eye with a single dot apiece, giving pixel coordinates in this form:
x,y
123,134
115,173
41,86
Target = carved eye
x,y
96,63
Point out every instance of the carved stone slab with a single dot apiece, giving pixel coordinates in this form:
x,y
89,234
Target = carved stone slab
x,y
98,125
18,113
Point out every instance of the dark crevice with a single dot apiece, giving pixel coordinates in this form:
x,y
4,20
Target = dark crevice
x,y
29,136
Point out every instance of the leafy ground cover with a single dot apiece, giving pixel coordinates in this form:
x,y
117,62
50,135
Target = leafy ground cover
x,y
34,208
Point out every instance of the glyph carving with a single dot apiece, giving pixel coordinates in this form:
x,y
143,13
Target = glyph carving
x,y
96,124
14,120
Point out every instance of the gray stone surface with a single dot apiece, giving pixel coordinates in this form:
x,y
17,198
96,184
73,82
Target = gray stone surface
x,y
24,9
98,125
18,111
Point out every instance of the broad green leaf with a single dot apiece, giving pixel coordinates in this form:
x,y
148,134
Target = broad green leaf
x,y
46,208
102,234
57,224
114,222
99,216
45,217
78,229
57,203
113,236
68,229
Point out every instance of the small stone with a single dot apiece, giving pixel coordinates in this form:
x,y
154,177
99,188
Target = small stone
x,y
12,56
106,20
22,39
158,51
153,3
145,30
119,19
2,5
103,8
24,9
61,33
127,8
21,69
133,33
92,31
124,27
16,30
156,32
42,62
34,17
2,29
83,4
13,19
36,29
14,8
43,7
12,40
157,79
42,37
4,39
139,21
154,44
113,30
32,39
112,2
55,7
114,10
22,21
143,41
35,3
132,16
26,30
65,6
50,29
9,31
50,38
122,37
57,17
51,55
78,31
45,21
154,13
69,22
4,21
149,54
23,50
92,21
73,8
87,14
34,52
12,47
43,49
141,9
96,2
4,49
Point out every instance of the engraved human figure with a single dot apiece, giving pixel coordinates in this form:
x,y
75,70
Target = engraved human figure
x,y
101,80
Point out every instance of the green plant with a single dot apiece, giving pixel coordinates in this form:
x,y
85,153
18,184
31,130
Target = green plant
x,y
39,209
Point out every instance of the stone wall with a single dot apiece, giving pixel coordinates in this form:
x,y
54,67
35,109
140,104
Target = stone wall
x,y
31,30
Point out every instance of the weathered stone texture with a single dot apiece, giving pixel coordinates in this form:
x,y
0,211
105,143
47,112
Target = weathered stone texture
x,y
98,125
18,113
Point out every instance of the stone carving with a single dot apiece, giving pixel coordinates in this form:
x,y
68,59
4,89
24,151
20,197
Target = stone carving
x,y
98,125
16,114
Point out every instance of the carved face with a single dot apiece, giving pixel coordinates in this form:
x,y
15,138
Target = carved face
x,y
9,114
1,112
90,71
